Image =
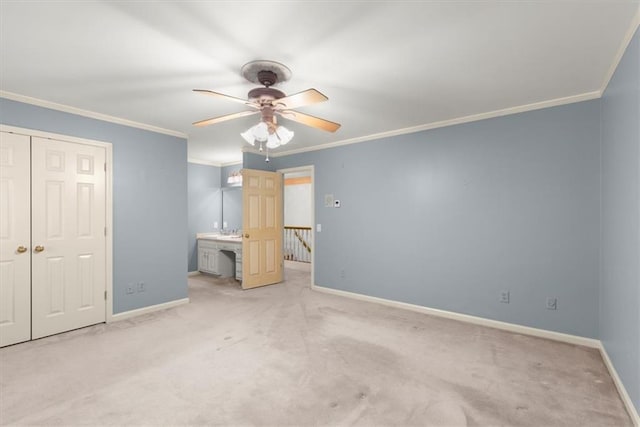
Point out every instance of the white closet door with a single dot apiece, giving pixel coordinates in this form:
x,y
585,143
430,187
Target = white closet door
x,y
15,239
68,236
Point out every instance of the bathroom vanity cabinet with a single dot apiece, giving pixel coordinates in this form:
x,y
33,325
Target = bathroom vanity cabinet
x,y
220,255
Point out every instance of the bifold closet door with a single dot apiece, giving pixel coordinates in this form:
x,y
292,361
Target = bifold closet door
x,y
68,236
15,239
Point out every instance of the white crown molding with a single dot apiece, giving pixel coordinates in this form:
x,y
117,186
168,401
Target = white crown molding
x,y
635,23
210,163
444,123
73,110
236,163
203,162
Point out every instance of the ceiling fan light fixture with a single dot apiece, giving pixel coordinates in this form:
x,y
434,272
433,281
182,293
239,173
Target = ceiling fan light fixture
x,y
281,136
285,135
273,141
259,132
248,136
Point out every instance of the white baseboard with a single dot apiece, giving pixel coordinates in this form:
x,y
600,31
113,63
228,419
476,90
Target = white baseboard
x,y
626,399
193,273
526,330
519,329
150,309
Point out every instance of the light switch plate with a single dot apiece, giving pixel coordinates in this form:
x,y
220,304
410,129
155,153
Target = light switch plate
x,y
318,228
328,200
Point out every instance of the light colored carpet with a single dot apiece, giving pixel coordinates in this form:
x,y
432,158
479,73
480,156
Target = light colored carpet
x,y
286,355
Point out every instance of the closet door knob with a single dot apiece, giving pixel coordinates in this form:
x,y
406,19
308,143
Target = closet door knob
x,y
246,235
21,249
39,248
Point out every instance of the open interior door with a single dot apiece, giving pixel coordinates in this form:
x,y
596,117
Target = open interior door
x,y
262,217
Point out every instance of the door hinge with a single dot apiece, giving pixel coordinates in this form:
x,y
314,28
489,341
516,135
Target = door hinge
x,y
105,167
105,295
105,231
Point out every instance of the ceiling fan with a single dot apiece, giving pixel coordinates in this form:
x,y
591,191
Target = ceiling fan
x,y
270,102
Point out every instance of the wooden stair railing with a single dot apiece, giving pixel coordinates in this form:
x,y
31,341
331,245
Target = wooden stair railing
x,y
297,243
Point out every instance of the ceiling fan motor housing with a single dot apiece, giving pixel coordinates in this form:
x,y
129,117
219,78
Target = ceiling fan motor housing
x,y
267,78
267,94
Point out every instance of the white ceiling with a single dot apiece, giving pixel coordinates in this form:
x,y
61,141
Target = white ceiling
x,y
385,66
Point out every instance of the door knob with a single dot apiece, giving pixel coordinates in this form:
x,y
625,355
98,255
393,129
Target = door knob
x,y
39,248
21,249
246,235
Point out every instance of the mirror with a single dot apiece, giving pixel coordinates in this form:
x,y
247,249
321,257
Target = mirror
x,y
231,208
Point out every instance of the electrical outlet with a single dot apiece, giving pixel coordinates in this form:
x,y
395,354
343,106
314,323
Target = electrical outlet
x,y
141,287
552,303
130,289
504,297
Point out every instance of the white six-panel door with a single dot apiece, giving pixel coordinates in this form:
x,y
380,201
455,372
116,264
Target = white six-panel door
x,y
68,236
15,239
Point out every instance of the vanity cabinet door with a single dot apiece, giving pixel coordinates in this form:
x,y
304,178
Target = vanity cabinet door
x,y
212,261
207,257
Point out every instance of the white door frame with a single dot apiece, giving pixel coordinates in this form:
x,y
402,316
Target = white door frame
x,y
108,202
311,170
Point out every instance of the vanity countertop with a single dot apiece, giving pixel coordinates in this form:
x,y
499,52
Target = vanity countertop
x,y
219,237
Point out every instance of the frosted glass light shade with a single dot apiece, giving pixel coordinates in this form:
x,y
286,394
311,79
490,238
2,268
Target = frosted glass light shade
x,y
248,136
260,133
285,134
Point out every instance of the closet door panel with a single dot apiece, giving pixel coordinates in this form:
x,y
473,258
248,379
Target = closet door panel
x,y
15,239
68,200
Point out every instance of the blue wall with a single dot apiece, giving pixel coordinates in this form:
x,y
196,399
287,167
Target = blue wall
x,y
149,201
620,272
204,199
448,218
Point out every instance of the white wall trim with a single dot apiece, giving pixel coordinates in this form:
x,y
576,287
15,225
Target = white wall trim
x,y
87,113
444,123
236,163
193,273
50,135
150,309
525,330
635,23
108,198
210,163
311,170
626,399
203,162
519,329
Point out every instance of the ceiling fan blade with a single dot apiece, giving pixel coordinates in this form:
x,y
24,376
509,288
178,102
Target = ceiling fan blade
x,y
224,118
308,120
228,97
300,99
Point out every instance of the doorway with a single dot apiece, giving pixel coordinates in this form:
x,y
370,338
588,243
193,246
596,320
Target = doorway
x,y
299,235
